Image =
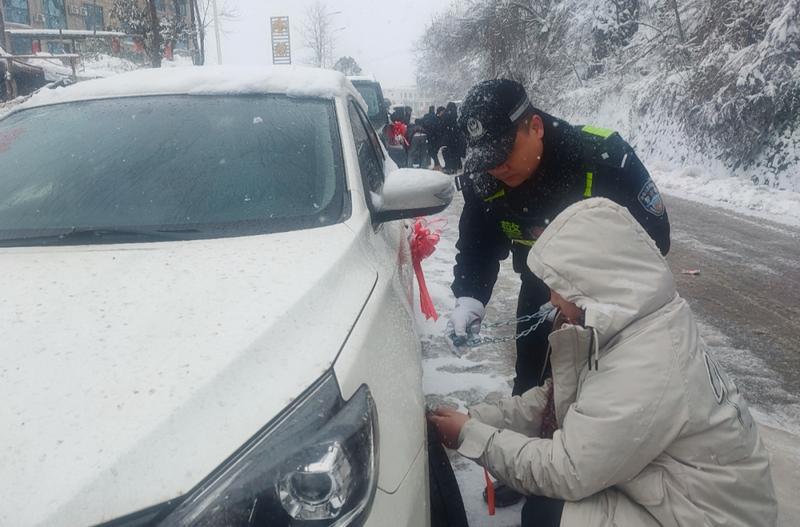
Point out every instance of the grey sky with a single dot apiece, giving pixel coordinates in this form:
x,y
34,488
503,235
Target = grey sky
x,y
379,34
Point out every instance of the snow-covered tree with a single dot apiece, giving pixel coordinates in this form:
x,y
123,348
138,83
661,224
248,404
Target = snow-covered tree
x,y
615,24
201,17
136,20
745,85
131,17
318,33
523,39
448,63
348,66
173,29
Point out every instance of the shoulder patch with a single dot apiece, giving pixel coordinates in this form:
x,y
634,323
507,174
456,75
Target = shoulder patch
x,y
650,199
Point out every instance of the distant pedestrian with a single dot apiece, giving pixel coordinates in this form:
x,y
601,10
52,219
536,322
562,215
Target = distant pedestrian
x,y
452,140
430,123
397,129
396,141
418,150
440,123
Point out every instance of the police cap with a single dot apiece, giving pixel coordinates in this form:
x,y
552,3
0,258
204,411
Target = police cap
x,y
489,117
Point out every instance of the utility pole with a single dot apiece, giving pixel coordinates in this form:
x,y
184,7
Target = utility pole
x,y
216,31
3,42
9,74
201,32
193,25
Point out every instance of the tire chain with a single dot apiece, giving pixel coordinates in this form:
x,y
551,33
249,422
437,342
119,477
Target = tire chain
x,y
536,319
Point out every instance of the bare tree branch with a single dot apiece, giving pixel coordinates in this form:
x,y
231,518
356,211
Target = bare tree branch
x,y
318,33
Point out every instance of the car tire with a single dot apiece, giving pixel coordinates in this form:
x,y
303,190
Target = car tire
x,y
447,506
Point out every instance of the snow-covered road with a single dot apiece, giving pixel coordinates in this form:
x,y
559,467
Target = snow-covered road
x,y
742,338
748,297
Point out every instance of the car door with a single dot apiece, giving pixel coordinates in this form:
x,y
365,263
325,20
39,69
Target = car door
x,y
383,350
390,239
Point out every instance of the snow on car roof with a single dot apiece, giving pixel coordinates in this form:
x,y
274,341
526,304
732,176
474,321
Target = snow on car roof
x,y
206,80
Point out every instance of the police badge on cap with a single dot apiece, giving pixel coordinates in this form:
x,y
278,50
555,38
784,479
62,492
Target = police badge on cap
x,y
475,128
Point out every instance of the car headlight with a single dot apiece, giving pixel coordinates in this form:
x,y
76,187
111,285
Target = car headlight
x,y
315,465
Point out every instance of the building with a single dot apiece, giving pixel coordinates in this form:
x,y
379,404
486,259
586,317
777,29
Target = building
x,y
87,15
409,96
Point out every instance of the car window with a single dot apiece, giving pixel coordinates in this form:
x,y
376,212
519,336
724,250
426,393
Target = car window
x,y
371,133
369,160
207,163
370,94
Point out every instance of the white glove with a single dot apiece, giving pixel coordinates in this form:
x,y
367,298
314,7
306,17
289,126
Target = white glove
x,y
465,318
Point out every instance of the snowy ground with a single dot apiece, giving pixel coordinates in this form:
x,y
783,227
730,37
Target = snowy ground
x,y
486,373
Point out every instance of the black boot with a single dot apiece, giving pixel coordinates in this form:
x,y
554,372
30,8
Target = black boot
x,y
504,496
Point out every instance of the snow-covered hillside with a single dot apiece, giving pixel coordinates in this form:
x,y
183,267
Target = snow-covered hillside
x,y
713,84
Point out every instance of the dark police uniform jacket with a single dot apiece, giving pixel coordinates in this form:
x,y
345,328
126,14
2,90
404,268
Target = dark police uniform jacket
x,y
578,162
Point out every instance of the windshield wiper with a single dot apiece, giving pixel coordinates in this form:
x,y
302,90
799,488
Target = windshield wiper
x,y
98,235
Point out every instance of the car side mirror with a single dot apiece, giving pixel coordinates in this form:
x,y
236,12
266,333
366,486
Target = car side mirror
x,y
412,192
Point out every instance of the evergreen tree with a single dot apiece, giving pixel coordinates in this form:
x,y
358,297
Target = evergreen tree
x,y
348,66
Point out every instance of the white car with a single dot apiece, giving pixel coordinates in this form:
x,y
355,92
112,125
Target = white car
x,y
206,310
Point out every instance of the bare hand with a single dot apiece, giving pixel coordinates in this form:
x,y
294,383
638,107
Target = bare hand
x,y
448,423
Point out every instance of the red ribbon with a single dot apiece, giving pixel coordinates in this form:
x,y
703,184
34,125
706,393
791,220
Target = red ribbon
x,y
398,133
423,244
489,492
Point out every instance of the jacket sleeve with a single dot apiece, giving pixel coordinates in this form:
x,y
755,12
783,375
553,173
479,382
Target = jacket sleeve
x,y
646,204
620,423
481,245
629,184
521,413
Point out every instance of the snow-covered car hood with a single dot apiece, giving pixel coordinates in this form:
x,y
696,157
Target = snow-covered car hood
x,y
129,372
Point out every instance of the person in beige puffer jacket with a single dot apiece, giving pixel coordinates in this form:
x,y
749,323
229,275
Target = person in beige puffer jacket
x,y
649,431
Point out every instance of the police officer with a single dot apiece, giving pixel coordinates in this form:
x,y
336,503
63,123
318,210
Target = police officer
x,y
522,168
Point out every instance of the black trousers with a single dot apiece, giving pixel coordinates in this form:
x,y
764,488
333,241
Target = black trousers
x,y
418,151
433,150
532,367
540,511
452,159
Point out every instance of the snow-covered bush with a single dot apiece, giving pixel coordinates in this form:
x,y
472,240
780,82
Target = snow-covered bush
x,y
614,25
745,89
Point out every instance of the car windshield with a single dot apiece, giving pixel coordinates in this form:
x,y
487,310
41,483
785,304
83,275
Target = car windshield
x,y
202,165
